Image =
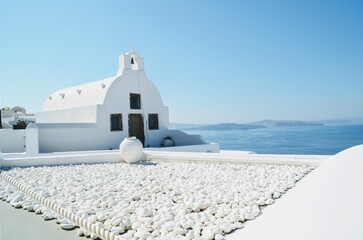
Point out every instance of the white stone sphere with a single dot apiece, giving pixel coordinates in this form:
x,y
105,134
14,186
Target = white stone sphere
x,y
131,149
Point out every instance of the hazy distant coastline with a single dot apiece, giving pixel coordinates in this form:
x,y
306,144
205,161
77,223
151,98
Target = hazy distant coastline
x,y
255,125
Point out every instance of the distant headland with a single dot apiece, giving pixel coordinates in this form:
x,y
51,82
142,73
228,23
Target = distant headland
x,y
255,125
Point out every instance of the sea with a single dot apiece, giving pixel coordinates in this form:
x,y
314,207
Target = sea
x,y
321,140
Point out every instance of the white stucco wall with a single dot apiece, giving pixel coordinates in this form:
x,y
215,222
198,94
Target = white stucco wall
x,y
71,137
12,140
118,101
181,138
86,114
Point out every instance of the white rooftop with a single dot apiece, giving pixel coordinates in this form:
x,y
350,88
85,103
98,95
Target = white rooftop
x,y
89,94
326,204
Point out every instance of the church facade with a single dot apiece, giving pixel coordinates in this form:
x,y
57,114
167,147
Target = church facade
x,y
99,115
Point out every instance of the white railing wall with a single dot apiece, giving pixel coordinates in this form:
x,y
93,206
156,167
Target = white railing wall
x,y
12,141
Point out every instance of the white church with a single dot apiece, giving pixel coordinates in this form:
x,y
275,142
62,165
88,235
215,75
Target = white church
x,y
99,115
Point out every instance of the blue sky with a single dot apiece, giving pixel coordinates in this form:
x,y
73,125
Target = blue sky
x,y
213,61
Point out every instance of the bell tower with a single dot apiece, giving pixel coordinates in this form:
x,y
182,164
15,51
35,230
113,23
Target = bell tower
x,y
131,61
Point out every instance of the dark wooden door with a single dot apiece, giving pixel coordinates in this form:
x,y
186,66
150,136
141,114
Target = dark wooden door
x,y
136,127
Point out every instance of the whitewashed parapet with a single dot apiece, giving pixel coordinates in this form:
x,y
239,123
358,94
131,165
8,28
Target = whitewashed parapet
x,y
62,159
12,141
182,139
244,158
31,139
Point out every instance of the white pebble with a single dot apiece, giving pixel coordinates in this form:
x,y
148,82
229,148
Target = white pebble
x,y
93,236
144,212
226,228
269,201
67,226
238,225
207,234
62,221
218,237
18,204
81,232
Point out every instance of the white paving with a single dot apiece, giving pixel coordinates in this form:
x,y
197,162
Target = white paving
x,y
157,200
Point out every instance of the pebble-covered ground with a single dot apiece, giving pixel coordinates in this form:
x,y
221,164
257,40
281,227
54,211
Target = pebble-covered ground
x,y
156,200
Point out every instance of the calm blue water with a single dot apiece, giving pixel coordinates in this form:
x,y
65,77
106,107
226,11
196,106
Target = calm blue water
x,y
329,139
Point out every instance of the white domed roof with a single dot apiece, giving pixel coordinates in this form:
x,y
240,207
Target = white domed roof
x,y
79,96
18,109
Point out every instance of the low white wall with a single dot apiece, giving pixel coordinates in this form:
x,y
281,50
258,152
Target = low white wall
x,y
59,159
70,137
243,158
202,148
12,140
160,154
181,138
65,137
